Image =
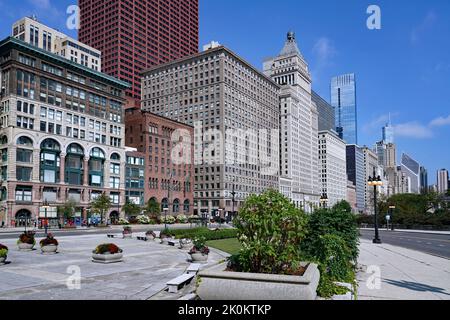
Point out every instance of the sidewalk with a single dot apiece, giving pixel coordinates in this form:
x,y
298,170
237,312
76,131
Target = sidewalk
x,y
412,231
405,274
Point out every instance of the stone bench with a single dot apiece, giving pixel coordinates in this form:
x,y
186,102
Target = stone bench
x,y
111,236
179,282
174,242
142,238
194,268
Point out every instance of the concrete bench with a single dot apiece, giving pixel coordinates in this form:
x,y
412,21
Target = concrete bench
x,y
194,268
179,282
111,236
173,242
142,238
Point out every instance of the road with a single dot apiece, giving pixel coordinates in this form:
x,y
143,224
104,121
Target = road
x,y
435,244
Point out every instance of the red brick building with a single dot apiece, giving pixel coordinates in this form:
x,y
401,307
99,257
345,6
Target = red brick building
x,y
136,34
168,148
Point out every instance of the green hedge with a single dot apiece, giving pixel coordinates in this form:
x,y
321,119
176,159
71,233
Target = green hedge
x,y
204,232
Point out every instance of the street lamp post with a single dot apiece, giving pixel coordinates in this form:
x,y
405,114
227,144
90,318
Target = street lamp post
x,y
45,205
324,200
220,218
391,209
165,217
233,194
375,182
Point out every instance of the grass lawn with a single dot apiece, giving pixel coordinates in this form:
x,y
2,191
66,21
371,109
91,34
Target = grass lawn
x,y
231,246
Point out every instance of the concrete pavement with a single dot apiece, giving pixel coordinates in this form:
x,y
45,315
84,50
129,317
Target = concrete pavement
x,y
146,269
431,243
403,274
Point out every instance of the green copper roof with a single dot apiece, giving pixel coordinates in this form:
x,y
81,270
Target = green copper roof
x,y
63,61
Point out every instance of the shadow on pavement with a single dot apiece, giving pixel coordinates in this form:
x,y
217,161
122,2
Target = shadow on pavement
x,y
416,286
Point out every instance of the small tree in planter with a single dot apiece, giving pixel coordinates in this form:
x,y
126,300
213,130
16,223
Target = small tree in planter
x,y
49,244
153,210
131,209
269,266
3,253
107,253
199,252
127,232
26,241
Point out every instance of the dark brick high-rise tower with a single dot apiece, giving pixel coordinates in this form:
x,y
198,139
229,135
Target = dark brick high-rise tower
x,y
134,35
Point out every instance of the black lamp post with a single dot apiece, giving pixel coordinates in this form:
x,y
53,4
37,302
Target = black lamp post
x,y
233,194
165,217
391,209
324,200
45,205
375,182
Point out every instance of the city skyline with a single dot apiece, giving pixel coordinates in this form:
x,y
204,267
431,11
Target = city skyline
x,y
411,34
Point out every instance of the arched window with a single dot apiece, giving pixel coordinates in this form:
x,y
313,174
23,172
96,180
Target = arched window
x,y
176,206
115,157
187,206
164,204
50,161
96,167
24,141
74,172
3,139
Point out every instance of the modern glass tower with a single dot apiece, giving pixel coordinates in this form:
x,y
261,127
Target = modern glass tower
x,y
343,100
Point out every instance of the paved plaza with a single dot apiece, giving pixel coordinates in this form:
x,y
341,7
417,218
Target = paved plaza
x,y
403,274
144,273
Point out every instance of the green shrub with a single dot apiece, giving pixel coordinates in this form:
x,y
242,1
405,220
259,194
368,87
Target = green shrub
x,y
270,229
3,251
168,219
182,218
339,221
203,232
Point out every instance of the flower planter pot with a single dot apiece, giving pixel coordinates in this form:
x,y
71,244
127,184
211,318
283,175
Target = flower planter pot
x,y
2,260
199,257
150,237
127,235
107,258
348,296
165,241
25,246
50,249
218,284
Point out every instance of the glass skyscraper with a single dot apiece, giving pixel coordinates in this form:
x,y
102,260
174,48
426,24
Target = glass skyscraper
x,y
343,100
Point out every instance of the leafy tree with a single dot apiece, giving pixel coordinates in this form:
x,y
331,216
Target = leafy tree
x,y
67,210
101,205
270,229
153,209
131,209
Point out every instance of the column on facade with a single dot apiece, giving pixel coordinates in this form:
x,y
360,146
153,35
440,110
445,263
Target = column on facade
x,y
86,171
106,174
62,168
36,165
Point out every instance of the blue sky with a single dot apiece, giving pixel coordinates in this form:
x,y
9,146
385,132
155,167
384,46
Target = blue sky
x,y
402,69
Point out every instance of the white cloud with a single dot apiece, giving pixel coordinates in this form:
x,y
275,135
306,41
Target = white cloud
x,y
413,130
42,4
426,24
441,121
324,50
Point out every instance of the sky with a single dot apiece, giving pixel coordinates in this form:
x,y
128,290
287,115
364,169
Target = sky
x,y
402,69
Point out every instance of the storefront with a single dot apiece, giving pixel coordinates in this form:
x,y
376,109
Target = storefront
x,y
48,217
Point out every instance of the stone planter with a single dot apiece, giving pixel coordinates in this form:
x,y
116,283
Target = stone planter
x,y
348,296
2,260
186,245
150,237
25,246
165,241
107,258
199,257
50,249
218,284
127,235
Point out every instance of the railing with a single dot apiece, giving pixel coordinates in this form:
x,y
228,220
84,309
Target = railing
x,y
408,227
